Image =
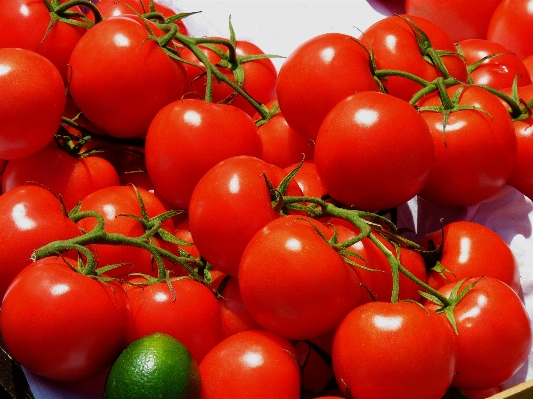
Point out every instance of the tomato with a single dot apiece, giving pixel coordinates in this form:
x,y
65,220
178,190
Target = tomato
x,y
362,162
402,343
293,282
308,179
188,137
114,204
31,217
317,75
190,313
78,342
493,333
259,75
471,250
498,72
528,62
27,24
510,25
33,99
120,80
464,172
251,364
65,175
461,20
230,203
394,44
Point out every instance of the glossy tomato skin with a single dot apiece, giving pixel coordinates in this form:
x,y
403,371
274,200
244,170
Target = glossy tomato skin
x,y
363,158
413,350
331,67
498,72
31,217
72,178
191,314
120,80
464,172
251,364
33,101
510,25
230,203
395,47
308,179
80,341
293,282
470,250
494,333
461,20
25,24
188,137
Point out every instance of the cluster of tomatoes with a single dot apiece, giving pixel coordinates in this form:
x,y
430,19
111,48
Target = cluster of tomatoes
x,y
183,185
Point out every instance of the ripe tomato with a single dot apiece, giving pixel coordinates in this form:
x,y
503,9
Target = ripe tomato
x,y
78,342
494,333
498,72
317,75
510,25
230,203
471,250
461,20
293,282
190,313
65,175
188,137
33,99
360,159
308,179
402,343
395,47
251,364
464,172
119,79
31,217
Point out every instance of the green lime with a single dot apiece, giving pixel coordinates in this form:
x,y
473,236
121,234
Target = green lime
x,y
154,366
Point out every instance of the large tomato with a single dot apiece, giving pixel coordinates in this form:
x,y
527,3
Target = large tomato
x,y
33,99
188,137
493,333
373,151
317,75
396,350
77,342
31,217
465,172
120,78
394,43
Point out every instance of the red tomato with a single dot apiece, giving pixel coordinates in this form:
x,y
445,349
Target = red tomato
x,y
494,333
80,341
259,76
510,25
471,250
230,203
308,179
464,172
203,134
497,72
363,162
293,282
28,24
120,80
65,175
251,364
31,217
528,62
395,47
317,75
460,19
408,352
33,99
190,313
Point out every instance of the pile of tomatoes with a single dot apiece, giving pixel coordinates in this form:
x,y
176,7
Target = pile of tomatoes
x,y
154,181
